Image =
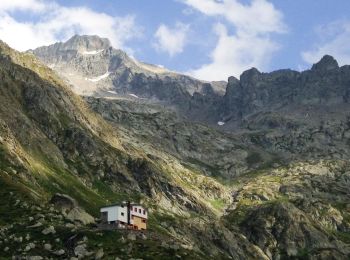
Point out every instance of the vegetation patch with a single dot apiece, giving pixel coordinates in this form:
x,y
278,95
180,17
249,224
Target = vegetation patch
x,y
254,158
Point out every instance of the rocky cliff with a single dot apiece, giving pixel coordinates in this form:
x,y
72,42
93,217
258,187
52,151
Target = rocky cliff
x,y
95,68
325,84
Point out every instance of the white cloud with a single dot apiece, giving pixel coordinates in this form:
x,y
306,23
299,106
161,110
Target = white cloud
x,y
32,5
251,44
257,18
54,22
334,40
234,53
171,40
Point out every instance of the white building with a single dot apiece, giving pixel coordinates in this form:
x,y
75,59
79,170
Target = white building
x,y
125,215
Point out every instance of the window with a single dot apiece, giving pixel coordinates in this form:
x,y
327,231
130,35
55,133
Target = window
x,y
140,211
144,212
135,209
143,221
122,213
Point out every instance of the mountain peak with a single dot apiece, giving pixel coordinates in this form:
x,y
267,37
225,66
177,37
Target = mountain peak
x,y
250,75
86,43
325,64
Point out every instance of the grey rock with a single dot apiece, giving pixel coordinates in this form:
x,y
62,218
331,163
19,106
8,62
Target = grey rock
x,y
81,251
49,230
35,258
59,252
99,254
63,201
70,225
80,215
29,247
131,236
47,247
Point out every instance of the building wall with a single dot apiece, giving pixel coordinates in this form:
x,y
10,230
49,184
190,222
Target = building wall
x,y
115,213
125,211
137,221
137,212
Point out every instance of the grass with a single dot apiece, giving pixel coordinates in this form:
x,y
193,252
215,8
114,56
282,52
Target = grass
x,y
218,204
253,158
343,236
213,170
8,212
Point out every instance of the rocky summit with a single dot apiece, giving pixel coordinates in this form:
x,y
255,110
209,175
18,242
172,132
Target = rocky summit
x,y
255,168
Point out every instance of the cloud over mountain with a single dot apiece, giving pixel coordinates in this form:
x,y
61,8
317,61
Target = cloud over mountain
x,y
171,40
50,22
250,44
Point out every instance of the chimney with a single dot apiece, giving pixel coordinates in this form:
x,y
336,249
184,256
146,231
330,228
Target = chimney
x,y
128,209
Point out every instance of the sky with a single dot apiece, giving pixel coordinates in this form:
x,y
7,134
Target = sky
x,y
207,39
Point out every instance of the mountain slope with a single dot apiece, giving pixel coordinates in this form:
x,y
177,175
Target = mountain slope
x,y
94,68
264,191
51,142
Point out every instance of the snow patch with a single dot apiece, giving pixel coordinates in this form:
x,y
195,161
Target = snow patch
x,y
221,123
92,52
133,95
96,79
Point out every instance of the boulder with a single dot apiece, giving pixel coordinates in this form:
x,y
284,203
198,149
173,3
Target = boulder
x,y
48,247
35,257
80,215
49,230
131,236
59,252
29,247
81,251
63,202
99,254
38,224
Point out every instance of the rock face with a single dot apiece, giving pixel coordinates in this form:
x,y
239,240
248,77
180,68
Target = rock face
x,y
325,84
95,68
293,211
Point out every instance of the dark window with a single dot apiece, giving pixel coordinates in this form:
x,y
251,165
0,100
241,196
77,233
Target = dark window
x,y
143,221
104,216
144,212
140,211
122,213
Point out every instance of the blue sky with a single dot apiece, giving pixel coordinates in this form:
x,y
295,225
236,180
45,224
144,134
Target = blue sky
x,y
208,39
